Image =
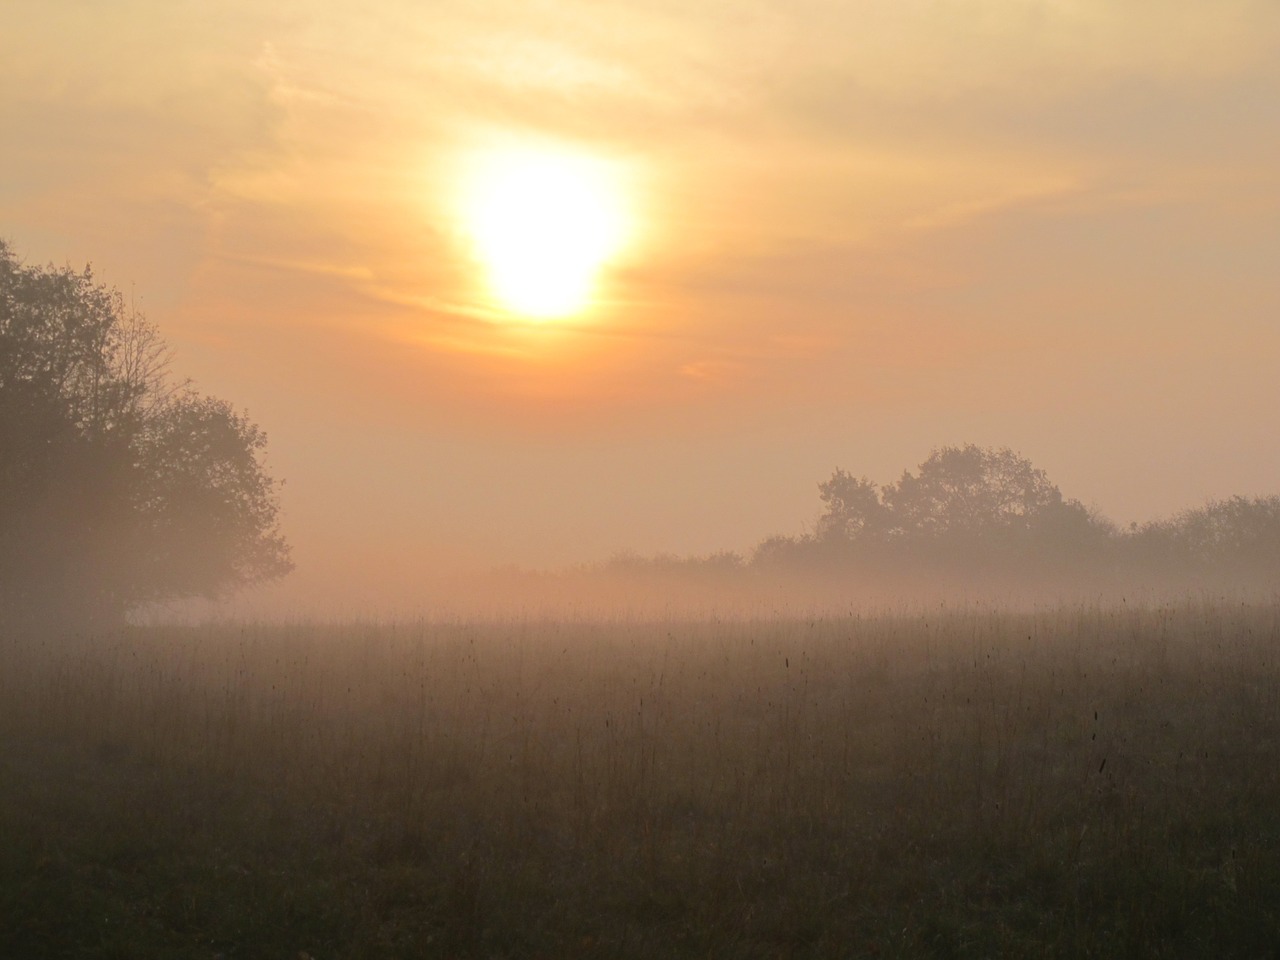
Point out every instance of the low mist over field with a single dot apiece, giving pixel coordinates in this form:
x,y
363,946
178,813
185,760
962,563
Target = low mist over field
x,y
624,480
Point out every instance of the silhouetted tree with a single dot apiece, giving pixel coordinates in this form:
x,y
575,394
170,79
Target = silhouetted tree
x,y
971,490
117,486
1235,541
965,512
855,510
959,492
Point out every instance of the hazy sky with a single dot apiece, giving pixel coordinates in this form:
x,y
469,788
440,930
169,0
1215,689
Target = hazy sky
x,y
857,231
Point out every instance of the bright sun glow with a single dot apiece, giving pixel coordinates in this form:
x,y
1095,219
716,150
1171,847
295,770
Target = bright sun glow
x,y
543,224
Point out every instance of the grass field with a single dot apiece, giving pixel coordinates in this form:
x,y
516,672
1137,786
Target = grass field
x,y
1076,782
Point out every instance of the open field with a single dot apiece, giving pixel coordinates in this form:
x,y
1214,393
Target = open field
x,y
1074,782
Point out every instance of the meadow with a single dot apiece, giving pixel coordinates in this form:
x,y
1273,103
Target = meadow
x,y
1075,781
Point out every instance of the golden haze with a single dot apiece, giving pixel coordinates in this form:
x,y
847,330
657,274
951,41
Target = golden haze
x,y
862,231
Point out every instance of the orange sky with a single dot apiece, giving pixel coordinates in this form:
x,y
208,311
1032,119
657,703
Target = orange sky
x,y
861,230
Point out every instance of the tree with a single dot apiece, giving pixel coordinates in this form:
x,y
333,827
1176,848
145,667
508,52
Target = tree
x,y
971,490
969,510
117,486
1236,540
958,492
855,510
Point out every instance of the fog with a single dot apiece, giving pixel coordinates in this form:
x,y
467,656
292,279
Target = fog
x,y
128,494
619,478
970,528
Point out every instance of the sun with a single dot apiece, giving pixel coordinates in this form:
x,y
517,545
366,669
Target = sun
x,y
543,223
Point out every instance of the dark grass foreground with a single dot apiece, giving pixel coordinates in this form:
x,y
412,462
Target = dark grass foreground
x,y
1076,783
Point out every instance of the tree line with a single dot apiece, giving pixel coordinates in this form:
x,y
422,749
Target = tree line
x,y
991,509
974,516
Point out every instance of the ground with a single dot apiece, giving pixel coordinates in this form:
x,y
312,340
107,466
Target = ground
x,y
1068,782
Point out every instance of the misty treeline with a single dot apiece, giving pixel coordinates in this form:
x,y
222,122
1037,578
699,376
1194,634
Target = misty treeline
x,y
976,519
119,485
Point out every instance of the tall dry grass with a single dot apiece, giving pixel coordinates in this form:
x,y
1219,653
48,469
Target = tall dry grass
x,y
1073,781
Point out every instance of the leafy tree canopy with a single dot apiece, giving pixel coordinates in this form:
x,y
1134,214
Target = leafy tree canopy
x,y
971,489
973,510
118,486
1237,536
855,510
965,491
